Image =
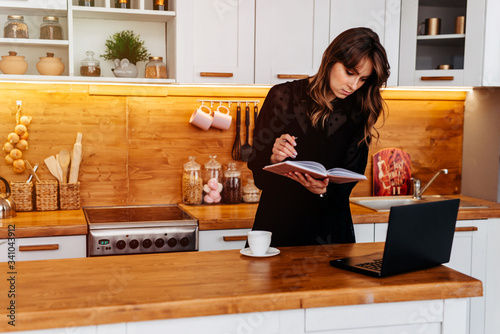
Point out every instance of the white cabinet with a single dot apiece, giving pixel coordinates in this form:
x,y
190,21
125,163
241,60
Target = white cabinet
x,y
364,232
491,65
491,284
421,55
382,16
215,41
222,239
43,248
291,36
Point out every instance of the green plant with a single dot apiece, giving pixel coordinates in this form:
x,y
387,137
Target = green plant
x,y
126,44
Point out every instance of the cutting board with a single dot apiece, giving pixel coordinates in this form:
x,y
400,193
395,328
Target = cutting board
x,y
391,172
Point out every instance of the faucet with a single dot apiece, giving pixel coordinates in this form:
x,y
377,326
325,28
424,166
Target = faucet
x,y
417,193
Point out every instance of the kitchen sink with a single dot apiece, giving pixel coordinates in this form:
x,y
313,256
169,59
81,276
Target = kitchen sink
x,y
384,203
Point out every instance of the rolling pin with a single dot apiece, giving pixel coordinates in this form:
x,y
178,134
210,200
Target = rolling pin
x,y
76,159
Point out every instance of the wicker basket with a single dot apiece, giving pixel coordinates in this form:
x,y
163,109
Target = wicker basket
x,y
46,195
22,193
69,196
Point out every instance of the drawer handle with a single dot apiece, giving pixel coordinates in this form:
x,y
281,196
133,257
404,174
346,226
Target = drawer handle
x,y
216,74
448,78
292,76
235,238
466,229
38,248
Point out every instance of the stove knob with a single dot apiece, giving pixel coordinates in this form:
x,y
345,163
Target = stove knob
x,y
184,242
172,242
159,243
146,243
120,244
133,244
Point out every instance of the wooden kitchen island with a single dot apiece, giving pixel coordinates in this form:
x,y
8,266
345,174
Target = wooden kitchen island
x,y
296,291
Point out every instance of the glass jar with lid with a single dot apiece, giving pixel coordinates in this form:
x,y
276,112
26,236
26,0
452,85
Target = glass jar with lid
x,y
15,27
51,28
86,3
90,66
251,194
122,3
212,186
159,5
192,182
156,68
231,185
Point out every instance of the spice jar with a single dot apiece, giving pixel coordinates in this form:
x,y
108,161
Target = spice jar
x,y
192,183
251,194
15,27
50,28
90,66
212,185
86,3
231,187
159,5
122,3
156,69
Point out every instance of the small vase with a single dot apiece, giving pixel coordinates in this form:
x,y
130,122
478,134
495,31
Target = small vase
x,y
50,65
13,64
124,69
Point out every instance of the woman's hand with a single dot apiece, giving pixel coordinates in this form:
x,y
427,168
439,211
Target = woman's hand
x,y
313,185
283,148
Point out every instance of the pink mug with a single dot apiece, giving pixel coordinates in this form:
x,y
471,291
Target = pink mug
x,y
222,119
202,119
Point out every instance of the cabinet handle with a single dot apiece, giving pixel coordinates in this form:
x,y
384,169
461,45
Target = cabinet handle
x,y
38,248
216,74
448,78
466,229
292,76
235,238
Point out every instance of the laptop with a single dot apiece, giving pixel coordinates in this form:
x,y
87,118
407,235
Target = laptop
x,y
419,236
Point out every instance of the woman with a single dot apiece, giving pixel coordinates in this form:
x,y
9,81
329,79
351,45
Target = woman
x,y
328,118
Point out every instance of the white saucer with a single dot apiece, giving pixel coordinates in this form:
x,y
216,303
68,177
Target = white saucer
x,y
270,252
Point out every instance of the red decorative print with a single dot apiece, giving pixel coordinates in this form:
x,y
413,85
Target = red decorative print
x,y
391,173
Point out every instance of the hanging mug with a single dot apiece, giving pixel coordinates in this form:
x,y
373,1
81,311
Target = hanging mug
x,y
222,119
202,118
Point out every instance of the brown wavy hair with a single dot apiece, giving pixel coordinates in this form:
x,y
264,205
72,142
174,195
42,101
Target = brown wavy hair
x,y
350,48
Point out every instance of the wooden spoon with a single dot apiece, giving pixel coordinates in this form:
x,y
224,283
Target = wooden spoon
x,y
64,159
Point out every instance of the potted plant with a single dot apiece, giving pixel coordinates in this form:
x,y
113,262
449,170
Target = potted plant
x,y
125,48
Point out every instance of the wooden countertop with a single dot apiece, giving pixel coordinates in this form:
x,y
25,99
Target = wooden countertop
x,y
224,216
45,223
115,289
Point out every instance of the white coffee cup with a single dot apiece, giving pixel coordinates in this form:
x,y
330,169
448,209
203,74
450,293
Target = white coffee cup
x,y
201,118
222,119
259,242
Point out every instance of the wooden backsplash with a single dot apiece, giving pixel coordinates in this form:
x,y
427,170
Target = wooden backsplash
x,y
136,138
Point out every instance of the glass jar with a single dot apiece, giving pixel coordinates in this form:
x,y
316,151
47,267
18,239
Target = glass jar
x,y
251,194
122,3
90,66
212,186
51,28
231,187
156,69
15,27
86,3
192,183
159,5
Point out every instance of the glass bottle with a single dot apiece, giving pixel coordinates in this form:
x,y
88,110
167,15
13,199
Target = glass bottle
x,y
155,68
51,28
159,5
192,183
251,194
231,187
212,186
15,27
86,3
122,3
90,66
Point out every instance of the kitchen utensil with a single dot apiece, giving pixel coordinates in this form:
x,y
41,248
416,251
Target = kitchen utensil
x,y
7,205
53,167
76,159
255,113
31,170
64,160
35,167
236,151
246,149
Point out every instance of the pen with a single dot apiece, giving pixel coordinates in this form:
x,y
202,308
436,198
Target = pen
x,y
293,137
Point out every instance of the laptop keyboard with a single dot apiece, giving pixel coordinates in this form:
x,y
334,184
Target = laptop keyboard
x,y
372,265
